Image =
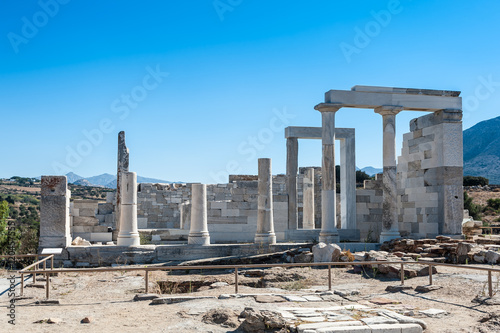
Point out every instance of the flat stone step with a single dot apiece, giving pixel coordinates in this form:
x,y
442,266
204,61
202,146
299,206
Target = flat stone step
x,y
178,299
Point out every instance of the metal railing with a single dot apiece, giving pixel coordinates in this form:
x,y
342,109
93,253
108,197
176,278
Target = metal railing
x,y
237,267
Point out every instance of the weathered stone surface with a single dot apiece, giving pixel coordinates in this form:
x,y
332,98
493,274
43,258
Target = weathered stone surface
x,y
427,288
269,299
397,288
260,321
492,257
326,252
86,320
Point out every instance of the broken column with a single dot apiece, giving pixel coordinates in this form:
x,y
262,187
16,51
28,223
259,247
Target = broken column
x,y
329,232
265,223
390,224
54,212
308,199
123,162
198,233
128,235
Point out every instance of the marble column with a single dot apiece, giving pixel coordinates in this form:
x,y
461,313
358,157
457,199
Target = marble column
x,y
348,182
128,235
390,224
198,233
292,165
329,232
308,199
265,223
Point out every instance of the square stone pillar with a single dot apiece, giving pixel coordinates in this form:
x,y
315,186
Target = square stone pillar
x,y
54,212
329,232
390,211
292,165
348,182
308,199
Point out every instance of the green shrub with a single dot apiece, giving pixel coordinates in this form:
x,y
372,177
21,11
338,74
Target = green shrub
x,y
475,181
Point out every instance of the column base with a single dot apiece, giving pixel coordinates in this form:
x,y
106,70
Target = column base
x,y
386,236
269,238
128,240
199,238
329,237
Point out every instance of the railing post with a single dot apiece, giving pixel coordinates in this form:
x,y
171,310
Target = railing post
x,y
402,273
430,274
47,285
52,262
330,277
45,265
236,280
22,283
490,285
146,277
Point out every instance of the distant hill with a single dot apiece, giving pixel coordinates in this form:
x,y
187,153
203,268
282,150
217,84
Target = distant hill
x,y
371,171
482,150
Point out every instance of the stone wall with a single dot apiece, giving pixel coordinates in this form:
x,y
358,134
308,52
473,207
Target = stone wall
x,y
232,208
430,171
369,209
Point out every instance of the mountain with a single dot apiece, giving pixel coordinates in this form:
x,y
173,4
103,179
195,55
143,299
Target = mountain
x,y
482,150
73,177
107,180
371,171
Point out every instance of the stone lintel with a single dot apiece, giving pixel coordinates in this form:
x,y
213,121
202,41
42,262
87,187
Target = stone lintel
x,y
314,133
409,91
372,100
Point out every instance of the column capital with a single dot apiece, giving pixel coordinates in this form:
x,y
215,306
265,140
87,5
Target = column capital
x,y
328,107
385,110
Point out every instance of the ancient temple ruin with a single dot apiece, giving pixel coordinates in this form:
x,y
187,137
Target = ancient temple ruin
x,y
418,195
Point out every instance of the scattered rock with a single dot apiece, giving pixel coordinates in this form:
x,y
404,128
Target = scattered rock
x,y
346,293
53,321
261,321
326,253
78,241
48,301
222,316
86,320
218,284
427,288
492,257
397,288
495,300
145,297
434,313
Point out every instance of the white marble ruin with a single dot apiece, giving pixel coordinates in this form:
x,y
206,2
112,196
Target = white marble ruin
x,y
265,222
419,193
128,235
198,234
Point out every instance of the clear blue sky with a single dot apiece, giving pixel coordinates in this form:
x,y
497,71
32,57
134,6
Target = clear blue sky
x,y
198,85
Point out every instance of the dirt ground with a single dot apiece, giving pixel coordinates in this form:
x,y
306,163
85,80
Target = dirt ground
x,y
107,298
481,197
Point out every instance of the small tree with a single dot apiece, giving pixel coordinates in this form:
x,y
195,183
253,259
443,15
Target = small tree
x,y
474,210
